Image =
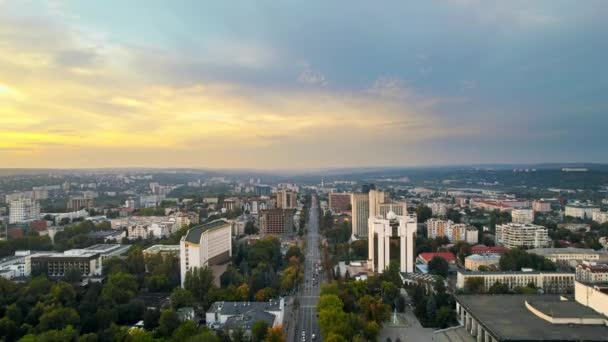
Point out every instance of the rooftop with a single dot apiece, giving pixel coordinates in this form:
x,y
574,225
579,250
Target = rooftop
x,y
446,255
162,248
194,234
507,317
567,250
511,272
482,257
108,248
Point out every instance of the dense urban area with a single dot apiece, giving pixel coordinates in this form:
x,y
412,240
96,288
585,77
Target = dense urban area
x,y
419,254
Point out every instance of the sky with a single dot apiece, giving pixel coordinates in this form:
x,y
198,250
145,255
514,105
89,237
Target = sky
x,y
301,84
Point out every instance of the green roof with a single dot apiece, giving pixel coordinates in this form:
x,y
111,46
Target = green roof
x,y
194,234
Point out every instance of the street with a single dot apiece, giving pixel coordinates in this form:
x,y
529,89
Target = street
x,y
309,294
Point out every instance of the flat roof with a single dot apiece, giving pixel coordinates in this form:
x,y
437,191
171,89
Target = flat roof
x,y
565,250
507,317
162,248
512,272
194,234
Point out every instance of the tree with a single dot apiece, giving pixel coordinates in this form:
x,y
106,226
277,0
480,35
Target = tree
x,y
121,287
431,308
438,266
242,292
63,293
498,288
168,322
264,294
259,331
198,281
423,213
474,285
58,318
151,318
275,334
181,298
184,331
444,316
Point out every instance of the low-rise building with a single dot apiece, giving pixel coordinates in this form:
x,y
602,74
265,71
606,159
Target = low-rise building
x,y
548,281
472,262
541,206
567,254
483,249
582,211
600,217
591,272
243,315
161,250
424,258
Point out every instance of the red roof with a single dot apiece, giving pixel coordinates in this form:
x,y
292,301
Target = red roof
x,y
446,255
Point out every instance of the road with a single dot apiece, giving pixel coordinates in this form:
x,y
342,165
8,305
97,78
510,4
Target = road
x,y
309,295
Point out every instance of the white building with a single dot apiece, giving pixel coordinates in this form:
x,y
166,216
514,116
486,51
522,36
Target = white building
x,y
438,208
523,216
453,231
600,217
205,245
405,228
567,254
583,211
230,316
23,210
549,282
514,235
591,272
146,226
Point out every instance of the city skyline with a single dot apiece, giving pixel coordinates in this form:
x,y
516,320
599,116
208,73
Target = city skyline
x,y
264,85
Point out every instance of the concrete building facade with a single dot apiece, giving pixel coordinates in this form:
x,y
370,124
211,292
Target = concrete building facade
x,y
513,235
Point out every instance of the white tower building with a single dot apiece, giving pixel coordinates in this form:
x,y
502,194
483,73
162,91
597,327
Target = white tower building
x,y
405,228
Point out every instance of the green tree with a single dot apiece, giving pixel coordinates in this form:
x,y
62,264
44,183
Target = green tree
x,y
184,331
498,288
198,281
444,316
168,322
474,285
181,298
259,331
438,266
423,213
58,318
63,293
121,287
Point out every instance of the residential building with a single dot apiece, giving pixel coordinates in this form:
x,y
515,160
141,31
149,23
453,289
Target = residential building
x,y
146,226
287,199
513,235
339,201
373,204
567,254
205,245
78,203
541,206
592,272
549,282
438,208
472,262
523,216
437,228
490,318
582,211
600,217
230,316
276,221
574,227
23,210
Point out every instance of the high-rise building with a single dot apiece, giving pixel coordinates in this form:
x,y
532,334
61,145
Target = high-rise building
x,y
541,206
436,228
403,227
360,213
77,203
205,245
276,221
339,201
523,216
23,210
287,199
513,235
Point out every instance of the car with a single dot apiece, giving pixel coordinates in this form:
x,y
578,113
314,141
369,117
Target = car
x,y
313,336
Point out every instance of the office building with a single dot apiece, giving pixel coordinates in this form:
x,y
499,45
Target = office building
x,y
541,206
549,282
205,245
339,201
513,235
23,210
403,227
89,261
276,221
79,203
523,216
592,272
286,199
582,211
371,205
567,254
493,318
472,262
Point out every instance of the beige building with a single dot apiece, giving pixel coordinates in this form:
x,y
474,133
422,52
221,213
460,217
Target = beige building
x,y
567,254
472,262
583,211
373,204
360,213
541,206
549,282
287,199
523,216
593,296
453,231
339,201
591,272
205,245
518,235
600,217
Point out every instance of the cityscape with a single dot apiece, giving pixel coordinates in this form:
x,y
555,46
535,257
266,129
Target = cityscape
x,y
202,171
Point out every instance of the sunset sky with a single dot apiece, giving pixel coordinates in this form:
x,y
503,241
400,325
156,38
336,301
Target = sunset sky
x,y
301,84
